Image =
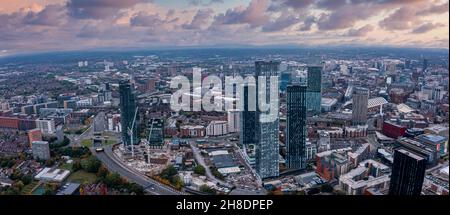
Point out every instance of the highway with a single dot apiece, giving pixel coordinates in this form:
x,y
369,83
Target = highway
x,y
113,164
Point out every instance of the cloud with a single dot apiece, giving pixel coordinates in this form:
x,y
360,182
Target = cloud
x,y
200,19
426,28
402,19
51,15
99,9
282,22
434,9
143,19
360,32
255,14
307,24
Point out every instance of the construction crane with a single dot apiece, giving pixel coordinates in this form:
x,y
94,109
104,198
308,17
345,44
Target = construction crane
x,y
131,132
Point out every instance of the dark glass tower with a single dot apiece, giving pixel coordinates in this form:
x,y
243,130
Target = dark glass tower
x,y
156,133
408,172
127,112
296,127
247,119
314,90
267,137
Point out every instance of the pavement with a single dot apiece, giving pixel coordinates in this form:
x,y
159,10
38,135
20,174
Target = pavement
x,y
115,165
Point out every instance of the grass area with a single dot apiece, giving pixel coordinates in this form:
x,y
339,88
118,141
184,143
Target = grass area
x,y
86,143
66,166
29,187
82,176
110,142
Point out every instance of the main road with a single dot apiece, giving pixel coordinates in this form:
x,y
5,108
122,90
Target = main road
x,y
115,165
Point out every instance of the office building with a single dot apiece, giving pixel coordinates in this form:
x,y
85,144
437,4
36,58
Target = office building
x,y
314,90
267,135
247,119
127,112
296,127
360,105
408,172
41,150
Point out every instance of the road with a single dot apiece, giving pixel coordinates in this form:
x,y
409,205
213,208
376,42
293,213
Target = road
x,y
115,165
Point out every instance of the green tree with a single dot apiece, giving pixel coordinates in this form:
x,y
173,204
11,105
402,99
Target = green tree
x,y
169,172
136,189
102,172
76,166
326,188
26,179
200,170
206,189
92,164
114,180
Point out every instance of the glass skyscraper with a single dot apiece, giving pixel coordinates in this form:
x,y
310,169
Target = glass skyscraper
x,y
314,90
296,127
247,131
267,139
127,112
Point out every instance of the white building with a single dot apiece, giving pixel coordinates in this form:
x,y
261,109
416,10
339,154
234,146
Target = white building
x,y
47,126
217,128
369,174
52,175
233,121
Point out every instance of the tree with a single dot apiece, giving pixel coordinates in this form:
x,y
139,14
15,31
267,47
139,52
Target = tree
x,y
200,170
102,172
206,189
76,166
19,185
92,164
326,188
114,180
26,179
136,189
169,172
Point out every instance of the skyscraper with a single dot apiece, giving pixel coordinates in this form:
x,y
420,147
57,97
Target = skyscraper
x,y
127,112
408,172
267,139
360,102
247,117
296,127
156,132
314,90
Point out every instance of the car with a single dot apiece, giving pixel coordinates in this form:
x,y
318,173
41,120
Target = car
x,y
100,149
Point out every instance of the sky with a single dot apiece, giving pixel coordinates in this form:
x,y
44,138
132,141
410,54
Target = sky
x,y
60,25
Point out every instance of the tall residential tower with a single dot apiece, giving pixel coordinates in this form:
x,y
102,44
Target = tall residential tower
x,y
267,132
296,127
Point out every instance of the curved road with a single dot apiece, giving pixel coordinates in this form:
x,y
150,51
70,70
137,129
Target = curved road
x,y
113,164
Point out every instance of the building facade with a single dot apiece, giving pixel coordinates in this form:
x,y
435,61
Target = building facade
x,y
314,90
360,104
127,112
267,133
408,172
296,127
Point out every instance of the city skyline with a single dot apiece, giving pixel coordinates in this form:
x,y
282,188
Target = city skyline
x,y
149,24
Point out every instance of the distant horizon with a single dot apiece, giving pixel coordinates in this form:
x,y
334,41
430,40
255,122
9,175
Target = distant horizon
x,y
231,46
